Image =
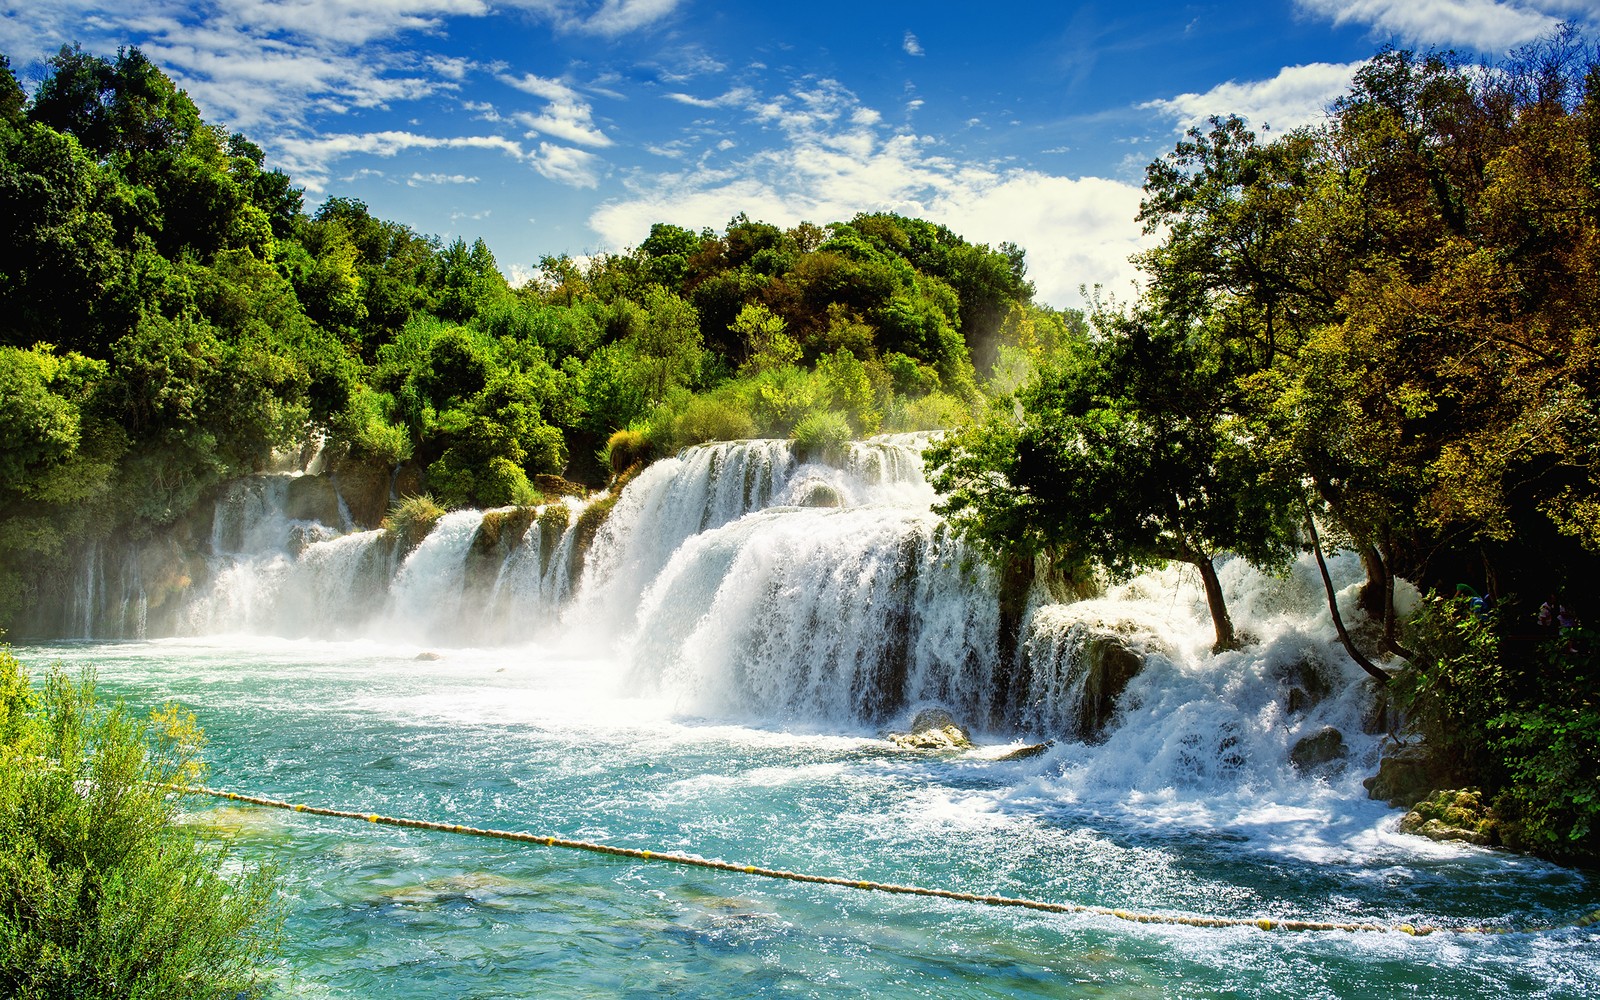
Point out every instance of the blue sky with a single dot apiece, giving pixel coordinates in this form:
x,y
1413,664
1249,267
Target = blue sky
x,y
569,126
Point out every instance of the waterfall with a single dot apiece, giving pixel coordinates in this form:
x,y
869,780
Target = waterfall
x,y
425,601
741,580
842,614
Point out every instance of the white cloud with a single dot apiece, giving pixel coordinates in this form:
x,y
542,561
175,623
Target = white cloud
x,y
309,160
610,17
617,17
565,165
1298,95
911,46
417,180
733,98
539,86
452,67
835,159
567,116
1483,25
351,22
258,64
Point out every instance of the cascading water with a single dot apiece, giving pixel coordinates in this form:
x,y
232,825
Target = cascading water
x,y
834,615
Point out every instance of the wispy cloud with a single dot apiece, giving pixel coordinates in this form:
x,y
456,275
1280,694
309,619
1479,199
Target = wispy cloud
x,y
617,17
833,157
311,159
565,165
608,17
1490,26
566,115
737,97
911,46
1298,95
418,180
255,63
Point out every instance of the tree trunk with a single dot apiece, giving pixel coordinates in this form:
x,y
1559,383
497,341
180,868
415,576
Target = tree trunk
x,y
1217,603
1333,608
1375,592
1390,641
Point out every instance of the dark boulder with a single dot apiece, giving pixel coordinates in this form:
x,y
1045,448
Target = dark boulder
x,y
313,498
1405,776
1109,662
1319,750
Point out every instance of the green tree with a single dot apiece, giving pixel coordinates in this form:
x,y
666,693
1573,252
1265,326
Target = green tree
x,y
1126,455
667,343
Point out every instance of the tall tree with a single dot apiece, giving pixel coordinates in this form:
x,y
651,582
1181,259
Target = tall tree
x,y
1127,455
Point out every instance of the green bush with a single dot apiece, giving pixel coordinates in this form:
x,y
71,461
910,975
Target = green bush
x,y
625,449
411,518
502,483
711,418
102,894
937,411
1549,747
822,434
1523,723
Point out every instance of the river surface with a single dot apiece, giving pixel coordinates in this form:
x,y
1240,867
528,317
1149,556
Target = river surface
x,y
555,739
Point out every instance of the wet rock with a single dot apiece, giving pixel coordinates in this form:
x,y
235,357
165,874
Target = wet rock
x,y
428,655
933,729
1305,683
364,487
1458,814
312,498
1405,776
1380,716
590,521
409,480
554,487
1109,662
1024,752
820,495
1319,750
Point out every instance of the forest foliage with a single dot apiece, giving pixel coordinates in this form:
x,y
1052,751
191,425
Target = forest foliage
x,y
170,314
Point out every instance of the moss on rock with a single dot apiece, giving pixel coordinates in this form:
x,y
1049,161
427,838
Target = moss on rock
x,y
1453,814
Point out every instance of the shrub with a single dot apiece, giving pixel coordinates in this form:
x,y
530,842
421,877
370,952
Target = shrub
x,y
502,483
412,518
102,894
711,418
935,412
1520,722
625,449
820,434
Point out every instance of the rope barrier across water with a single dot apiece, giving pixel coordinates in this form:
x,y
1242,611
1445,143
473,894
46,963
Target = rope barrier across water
x,y
1262,923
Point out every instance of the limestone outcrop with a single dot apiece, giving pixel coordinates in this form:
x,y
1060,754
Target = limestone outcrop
x,y
933,729
1453,814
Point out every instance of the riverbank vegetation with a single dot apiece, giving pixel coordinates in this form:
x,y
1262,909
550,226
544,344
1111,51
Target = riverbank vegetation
x,y
102,893
1377,333
1386,326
